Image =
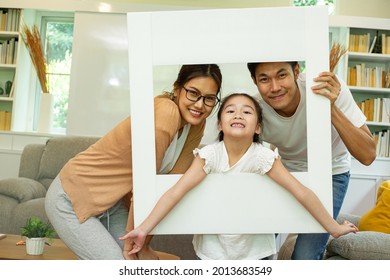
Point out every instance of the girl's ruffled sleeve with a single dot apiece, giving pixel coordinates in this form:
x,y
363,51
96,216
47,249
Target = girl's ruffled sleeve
x,y
264,159
208,154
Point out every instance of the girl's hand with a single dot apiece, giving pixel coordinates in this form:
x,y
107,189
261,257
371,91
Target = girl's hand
x,y
345,228
137,236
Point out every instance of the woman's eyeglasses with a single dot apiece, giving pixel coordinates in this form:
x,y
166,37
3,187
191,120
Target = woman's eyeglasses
x,y
194,96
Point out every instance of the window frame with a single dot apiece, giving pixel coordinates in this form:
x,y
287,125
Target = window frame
x,y
42,18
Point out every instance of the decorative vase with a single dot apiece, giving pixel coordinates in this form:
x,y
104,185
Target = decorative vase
x,y
35,246
45,115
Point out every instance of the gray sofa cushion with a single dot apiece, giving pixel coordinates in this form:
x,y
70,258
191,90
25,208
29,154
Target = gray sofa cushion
x,y
349,217
30,161
22,189
58,151
364,245
23,211
6,206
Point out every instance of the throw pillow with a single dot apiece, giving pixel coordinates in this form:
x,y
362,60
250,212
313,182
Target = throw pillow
x,y
365,245
378,218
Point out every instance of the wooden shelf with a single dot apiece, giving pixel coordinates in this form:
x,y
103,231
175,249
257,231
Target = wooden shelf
x,y
10,66
8,34
369,57
380,124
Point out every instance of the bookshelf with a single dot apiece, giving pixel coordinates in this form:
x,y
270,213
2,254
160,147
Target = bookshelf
x,y
9,49
366,69
371,93
368,76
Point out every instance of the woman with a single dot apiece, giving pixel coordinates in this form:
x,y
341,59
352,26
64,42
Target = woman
x,y
84,203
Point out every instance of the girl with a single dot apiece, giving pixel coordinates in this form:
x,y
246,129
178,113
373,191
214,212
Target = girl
x,y
239,150
84,203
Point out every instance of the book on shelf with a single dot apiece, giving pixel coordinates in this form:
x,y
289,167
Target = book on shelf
x,y
387,79
2,21
387,44
10,51
359,43
359,74
372,44
362,76
384,44
5,120
376,109
2,120
9,19
7,125
386,110
382,141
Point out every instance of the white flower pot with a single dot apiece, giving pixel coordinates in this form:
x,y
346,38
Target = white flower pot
x,y
35,246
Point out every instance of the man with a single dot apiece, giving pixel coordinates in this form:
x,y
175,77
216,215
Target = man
x,y
283,91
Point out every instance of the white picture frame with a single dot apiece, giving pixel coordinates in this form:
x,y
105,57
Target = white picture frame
x,y
224,203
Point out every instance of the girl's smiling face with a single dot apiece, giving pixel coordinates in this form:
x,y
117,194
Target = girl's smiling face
x,y
239,118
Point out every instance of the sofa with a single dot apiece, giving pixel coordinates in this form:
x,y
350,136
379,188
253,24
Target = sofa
x,y
364,245
23,197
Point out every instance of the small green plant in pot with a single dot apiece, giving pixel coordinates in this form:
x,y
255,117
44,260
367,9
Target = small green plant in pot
x,y
36,231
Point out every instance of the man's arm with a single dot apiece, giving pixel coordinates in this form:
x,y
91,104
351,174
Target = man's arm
x,y
358,140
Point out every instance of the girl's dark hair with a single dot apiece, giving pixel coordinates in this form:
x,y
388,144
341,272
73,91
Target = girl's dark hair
x,y
256,137
190,71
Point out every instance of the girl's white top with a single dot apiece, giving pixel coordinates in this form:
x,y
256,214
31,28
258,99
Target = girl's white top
x,y
257,159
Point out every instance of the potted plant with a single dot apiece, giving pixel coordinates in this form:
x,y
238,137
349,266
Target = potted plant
x,y
36,231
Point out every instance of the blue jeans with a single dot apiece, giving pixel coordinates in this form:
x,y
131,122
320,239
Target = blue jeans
x,y
311,246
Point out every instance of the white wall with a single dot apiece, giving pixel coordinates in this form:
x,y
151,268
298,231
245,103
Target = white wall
x,y
99,96
364,8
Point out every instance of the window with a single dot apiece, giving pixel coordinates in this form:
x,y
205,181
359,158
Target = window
x,y
57,38
330,3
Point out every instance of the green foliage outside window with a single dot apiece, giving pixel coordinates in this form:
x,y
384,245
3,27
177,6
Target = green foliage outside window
x,y
59,86
330,3
312,2
58,44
